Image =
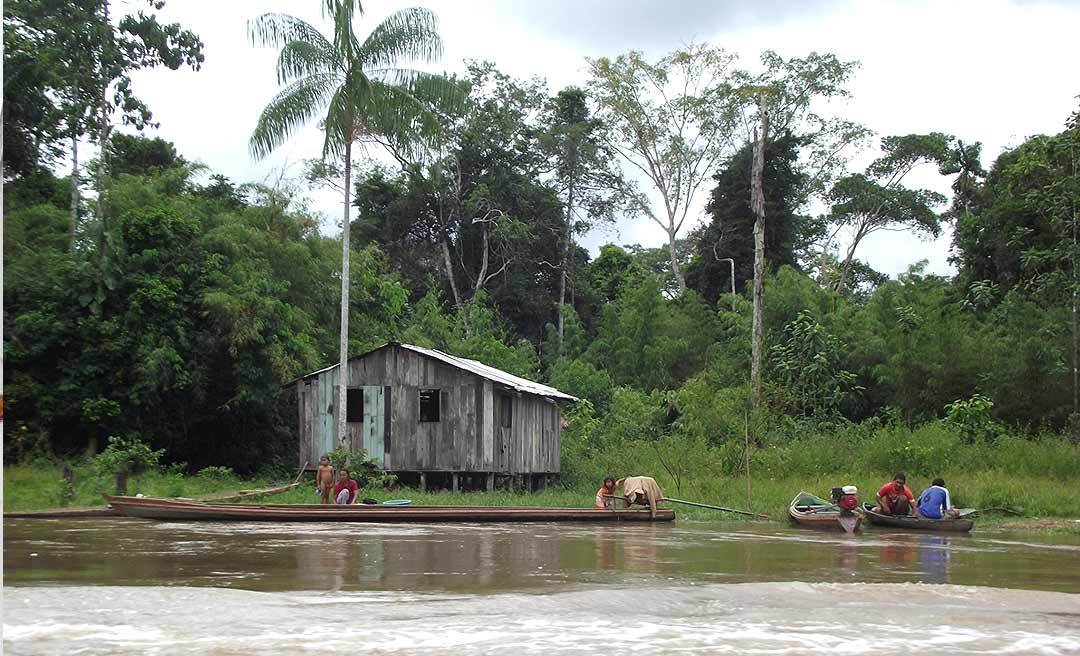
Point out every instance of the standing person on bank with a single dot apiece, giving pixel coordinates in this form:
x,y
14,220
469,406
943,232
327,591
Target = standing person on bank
x,y
324,478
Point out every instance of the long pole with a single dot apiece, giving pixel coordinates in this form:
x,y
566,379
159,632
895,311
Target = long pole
x,y
746,446
712,507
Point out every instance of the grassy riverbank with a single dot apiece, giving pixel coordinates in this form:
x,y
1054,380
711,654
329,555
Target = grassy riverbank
x,y
39,485
1038,498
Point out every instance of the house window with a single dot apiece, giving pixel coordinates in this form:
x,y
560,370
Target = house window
x,y
354,405
429,405
507,410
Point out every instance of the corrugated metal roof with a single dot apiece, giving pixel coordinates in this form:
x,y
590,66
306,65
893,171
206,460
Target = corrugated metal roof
x,y
491,373
479,368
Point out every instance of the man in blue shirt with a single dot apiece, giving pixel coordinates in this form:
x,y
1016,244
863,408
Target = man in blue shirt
x,y
934,502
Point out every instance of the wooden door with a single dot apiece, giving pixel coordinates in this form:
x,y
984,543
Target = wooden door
x,y
374,423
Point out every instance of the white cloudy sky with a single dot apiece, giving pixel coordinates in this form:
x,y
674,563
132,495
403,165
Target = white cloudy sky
x,y
994,71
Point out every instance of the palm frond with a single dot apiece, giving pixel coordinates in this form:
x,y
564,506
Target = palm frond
x,y
331,7
292,108
299,59
402,119
275,30
406,35
341,122
343,12
442,95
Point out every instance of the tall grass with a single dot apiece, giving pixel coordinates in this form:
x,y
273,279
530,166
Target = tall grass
x,y
38,485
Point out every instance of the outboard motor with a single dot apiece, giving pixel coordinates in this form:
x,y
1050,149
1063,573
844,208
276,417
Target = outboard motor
x,y
847,499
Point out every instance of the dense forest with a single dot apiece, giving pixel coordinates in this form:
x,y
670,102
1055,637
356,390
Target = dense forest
x,y
148,297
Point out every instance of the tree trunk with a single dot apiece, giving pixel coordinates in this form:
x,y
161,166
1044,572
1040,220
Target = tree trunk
x,y
757,203
74,184
680,280
103,139
448,262
567,238
343,360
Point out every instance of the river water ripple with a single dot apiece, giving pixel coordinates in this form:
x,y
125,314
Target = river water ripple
x,y
113,586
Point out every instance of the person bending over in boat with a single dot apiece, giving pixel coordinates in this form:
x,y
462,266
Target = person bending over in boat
x,y
641,490
894,498
345,490
934,502
604,500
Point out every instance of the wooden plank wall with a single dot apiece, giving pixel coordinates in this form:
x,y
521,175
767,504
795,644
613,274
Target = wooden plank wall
x,y
535,436
468,438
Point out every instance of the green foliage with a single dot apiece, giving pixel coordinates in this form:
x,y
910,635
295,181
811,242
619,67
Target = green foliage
x,y
583,380
807,366
126,455
177,319
972,417
215,473
730,232
365,471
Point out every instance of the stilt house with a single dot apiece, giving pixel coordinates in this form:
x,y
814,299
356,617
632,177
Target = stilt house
x,y
425,414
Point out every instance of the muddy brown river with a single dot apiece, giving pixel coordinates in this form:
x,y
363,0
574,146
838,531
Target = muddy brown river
x,y
121,586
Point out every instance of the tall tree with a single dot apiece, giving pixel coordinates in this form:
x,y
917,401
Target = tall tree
x,y
363,91
672,122
780,101
729,233
876,200
583,174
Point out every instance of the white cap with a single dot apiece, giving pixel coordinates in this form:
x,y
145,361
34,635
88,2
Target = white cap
x,y
850,489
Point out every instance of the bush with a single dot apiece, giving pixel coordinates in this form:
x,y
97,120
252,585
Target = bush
x,y
215,473
123,456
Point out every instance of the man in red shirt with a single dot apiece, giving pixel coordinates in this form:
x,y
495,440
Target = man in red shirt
x,y
894,498
345,490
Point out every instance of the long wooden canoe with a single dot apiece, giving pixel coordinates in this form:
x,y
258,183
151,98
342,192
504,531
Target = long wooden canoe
x,y
913,523
814,512
171,509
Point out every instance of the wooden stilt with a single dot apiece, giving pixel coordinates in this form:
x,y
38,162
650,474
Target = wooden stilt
x,y
423,482
454,481
491,482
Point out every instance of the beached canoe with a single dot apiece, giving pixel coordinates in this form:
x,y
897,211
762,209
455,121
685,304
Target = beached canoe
x,y
814,512
958,525
171,509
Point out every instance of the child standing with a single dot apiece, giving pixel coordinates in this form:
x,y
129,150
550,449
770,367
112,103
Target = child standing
x,y
324,478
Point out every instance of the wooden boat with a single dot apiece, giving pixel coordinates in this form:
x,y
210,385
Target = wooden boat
x,y
814,512
958,525
172,509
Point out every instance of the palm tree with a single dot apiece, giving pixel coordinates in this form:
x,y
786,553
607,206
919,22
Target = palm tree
x,y
360,93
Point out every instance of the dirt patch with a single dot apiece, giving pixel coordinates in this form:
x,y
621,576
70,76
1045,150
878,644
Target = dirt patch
x,y
1041,524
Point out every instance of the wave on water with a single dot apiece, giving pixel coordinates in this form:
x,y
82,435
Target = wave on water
x,y
758,618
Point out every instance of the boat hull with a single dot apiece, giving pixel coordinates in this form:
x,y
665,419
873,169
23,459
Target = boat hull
x,y
827,520
959,525
167,509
